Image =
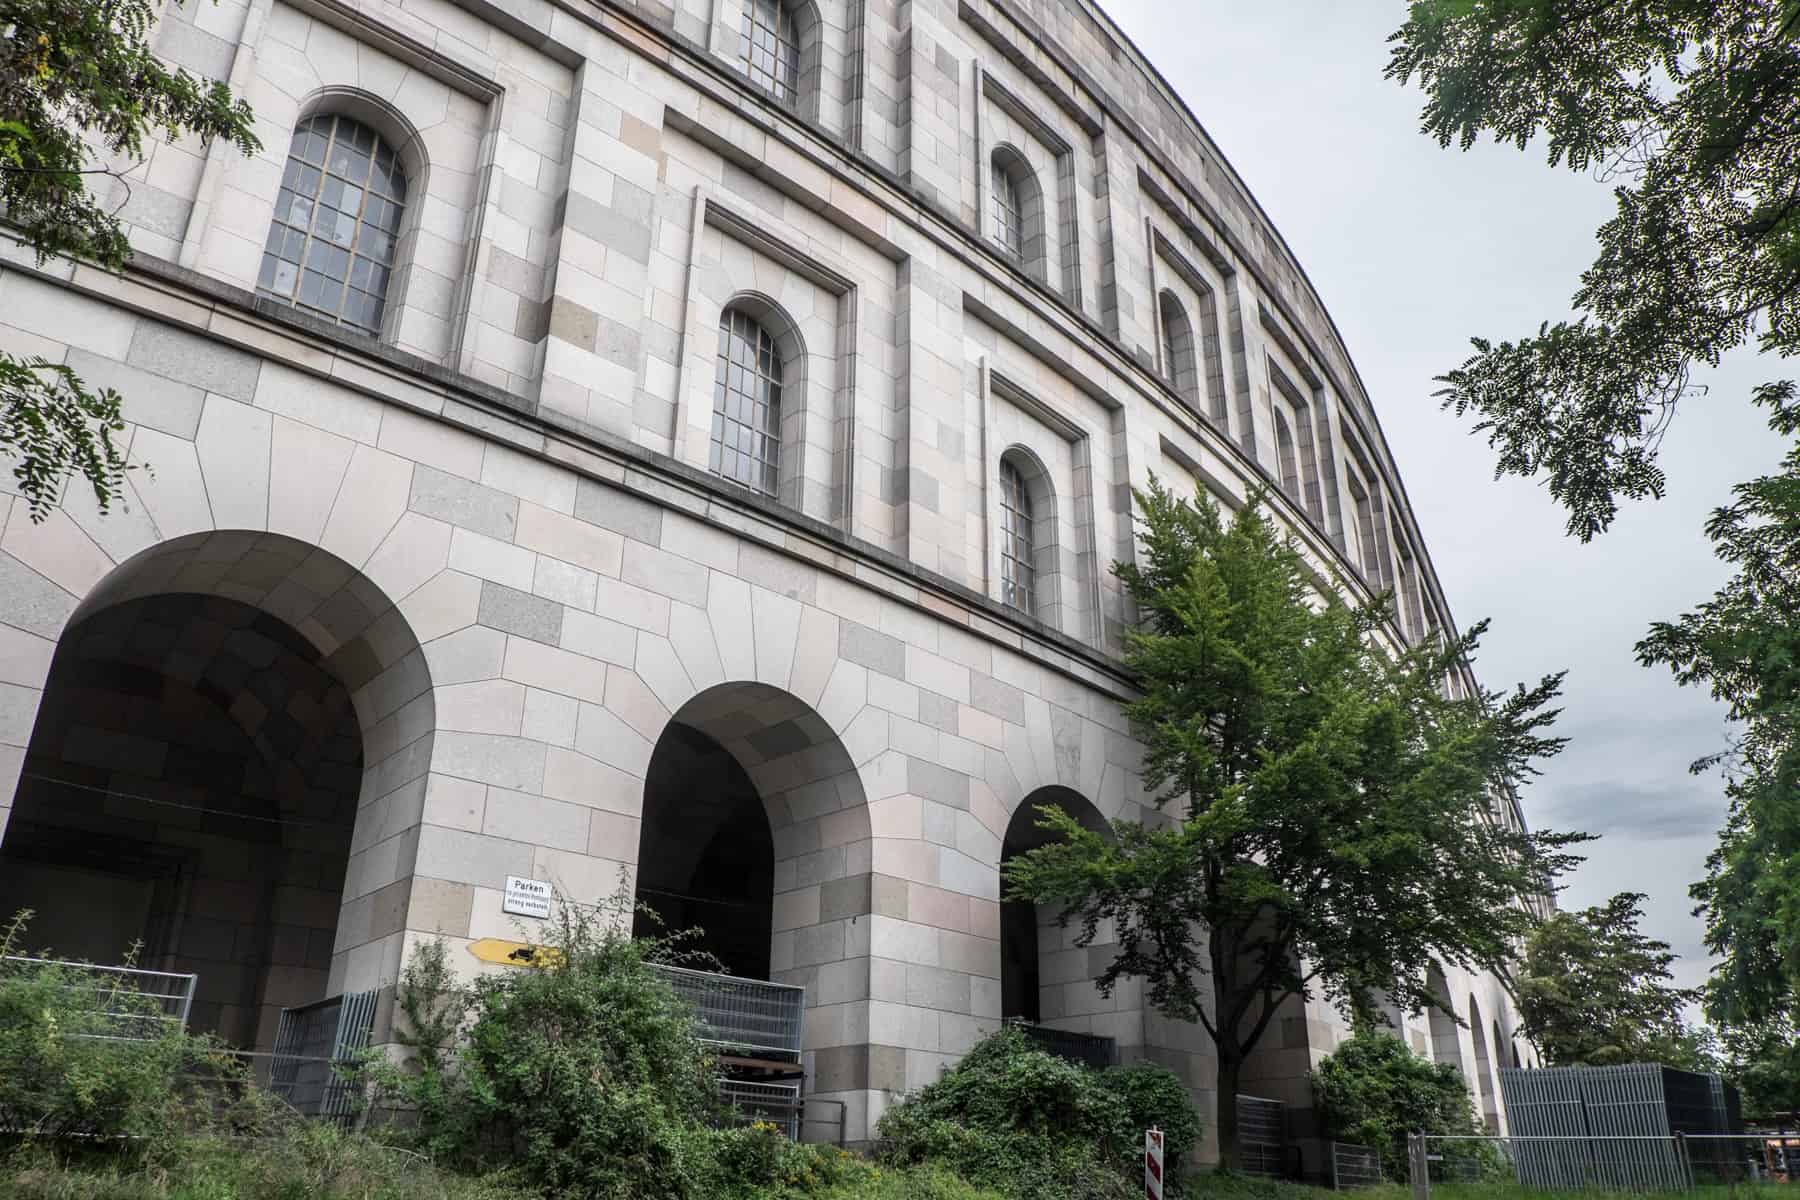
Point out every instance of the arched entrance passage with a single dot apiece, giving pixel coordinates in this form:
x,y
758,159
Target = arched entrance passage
x,y
234,729
1484,1069
1044,977
755,830
1446,1042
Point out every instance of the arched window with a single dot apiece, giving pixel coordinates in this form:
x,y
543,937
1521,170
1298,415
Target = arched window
x,y
1017,209
1018,541
746,428
1179,367
1286,461
337,221
772,48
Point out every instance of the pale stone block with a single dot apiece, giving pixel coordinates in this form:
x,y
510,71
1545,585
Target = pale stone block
x,y
700,542
414,553
777,624
473,858
487,706
537,820
614,835
473,653
53,311
665,574
312,401
555,670
570,539
486,558
24,658
580,877
488,758
661,671
599,638
691,637
530,479
573,776
172,488
432,442
307,466
550,717
632,605
371,500
454,803
633,702
123,530
234,448
601,734
564,583
56,548
444,604
728,608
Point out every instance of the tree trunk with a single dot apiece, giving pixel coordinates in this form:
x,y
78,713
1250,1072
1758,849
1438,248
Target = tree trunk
x,y
1231,1066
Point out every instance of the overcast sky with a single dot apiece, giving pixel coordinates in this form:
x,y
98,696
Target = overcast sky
x,y
1414,250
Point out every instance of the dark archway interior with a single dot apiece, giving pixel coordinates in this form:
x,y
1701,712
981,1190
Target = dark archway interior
x,y
191,784
706,856
1020,952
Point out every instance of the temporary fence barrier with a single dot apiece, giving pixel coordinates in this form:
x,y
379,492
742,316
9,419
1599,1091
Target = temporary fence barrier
x,y
753,1018
1262,1137
313,1045
1626,1163
1354,1166
137,1003
1083,1049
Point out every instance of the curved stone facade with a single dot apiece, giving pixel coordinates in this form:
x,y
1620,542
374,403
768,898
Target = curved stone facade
x,y
1000,276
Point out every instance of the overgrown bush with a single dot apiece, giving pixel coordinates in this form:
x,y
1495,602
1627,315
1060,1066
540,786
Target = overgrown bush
x,y
1029,1124
586,1075
1374,1091
81,1056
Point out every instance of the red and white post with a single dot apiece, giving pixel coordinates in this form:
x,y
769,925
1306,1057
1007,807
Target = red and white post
x,y
1153,1164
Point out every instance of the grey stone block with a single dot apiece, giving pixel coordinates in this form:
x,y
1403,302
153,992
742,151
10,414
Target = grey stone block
x,y
608,226
454,499
188,358
520,613
873,649
934,782
162,404
618,511
617,342
937,711
30,601
995,698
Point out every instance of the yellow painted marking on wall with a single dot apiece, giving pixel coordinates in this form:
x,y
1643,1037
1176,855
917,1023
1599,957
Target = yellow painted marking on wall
x,y
513,954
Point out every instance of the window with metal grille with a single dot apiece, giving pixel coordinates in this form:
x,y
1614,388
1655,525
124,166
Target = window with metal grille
x,y
1018,580
1009,213
746,428
771,48
337,220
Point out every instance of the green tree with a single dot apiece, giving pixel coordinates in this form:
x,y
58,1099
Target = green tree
x,y
1332,825
1763,1060
80,92
1373,1091
1693,108
1594,991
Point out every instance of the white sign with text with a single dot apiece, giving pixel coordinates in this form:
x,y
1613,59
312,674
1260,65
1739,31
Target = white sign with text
x,y
526,897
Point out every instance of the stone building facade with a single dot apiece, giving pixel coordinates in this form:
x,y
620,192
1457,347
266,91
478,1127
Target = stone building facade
x,y
604,441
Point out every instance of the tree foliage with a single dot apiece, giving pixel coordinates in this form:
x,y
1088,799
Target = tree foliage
x,y
1744,644
1030,1125
1693,108
1594,991
80,93
1373,1091
1763,1059
1330,809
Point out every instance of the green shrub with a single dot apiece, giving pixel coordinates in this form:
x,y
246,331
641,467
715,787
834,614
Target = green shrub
x,y
1028,1124
80,1055
586,1075
1374,1091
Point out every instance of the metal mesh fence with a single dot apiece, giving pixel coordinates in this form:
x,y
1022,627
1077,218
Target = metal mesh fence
x,y
312,1044
1354,1166
136,1003
776,1103
1262,1136
1637,1164
749,1017
1087,1049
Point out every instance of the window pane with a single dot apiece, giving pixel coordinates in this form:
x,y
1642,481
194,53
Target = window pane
x,y
747,404
328,230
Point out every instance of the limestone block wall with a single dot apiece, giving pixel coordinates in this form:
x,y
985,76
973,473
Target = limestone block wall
x,y
496,521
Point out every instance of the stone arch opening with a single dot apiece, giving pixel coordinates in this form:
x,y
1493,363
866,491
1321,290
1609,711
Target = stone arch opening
x,y
1484,1069
230,748
1446,1044
1044,978
755,830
